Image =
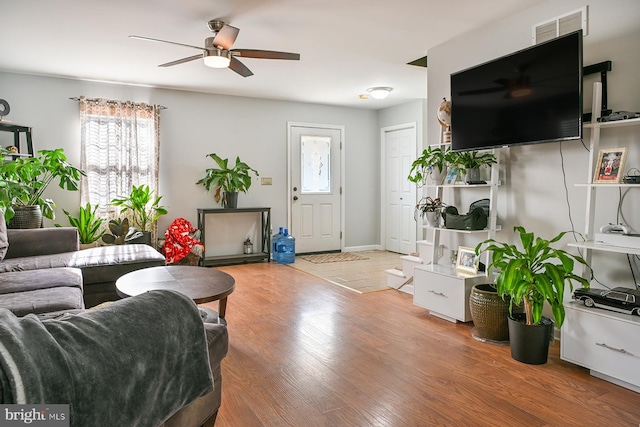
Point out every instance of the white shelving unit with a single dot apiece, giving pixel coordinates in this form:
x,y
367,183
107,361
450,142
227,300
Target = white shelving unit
x,y
439,288
601,340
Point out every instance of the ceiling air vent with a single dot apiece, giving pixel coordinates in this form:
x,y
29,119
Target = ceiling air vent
x,y
561,25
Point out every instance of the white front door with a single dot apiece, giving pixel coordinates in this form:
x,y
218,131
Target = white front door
x,y
315,187
400,193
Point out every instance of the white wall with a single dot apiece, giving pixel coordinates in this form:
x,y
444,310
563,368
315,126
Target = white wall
x,y
196,124
534,194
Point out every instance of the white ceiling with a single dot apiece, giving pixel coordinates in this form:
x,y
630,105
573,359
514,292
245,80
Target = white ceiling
x,y
346,46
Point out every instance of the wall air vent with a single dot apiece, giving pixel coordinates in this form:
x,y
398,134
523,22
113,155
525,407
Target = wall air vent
x,y
561,25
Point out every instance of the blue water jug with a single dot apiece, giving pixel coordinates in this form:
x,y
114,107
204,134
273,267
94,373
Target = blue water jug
x,y
274,242
286,248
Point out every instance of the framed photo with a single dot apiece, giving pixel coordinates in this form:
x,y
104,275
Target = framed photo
x,y
610,166
452,176
467,261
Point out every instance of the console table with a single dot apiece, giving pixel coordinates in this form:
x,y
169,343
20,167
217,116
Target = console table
x,y
262,248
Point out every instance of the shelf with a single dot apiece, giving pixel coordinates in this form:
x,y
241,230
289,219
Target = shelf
x,y
453,230
235,259
608,185
448,270
591,245
487,185
617,123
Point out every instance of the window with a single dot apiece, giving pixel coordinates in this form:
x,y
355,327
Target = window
x,y
120,148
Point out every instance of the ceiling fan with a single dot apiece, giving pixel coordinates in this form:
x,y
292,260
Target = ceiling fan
x,y
217,52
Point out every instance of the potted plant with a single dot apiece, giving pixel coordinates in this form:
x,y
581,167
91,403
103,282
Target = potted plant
x,y
35,174
431,210
229,180
471,161
88,224
432,163
144,207
530,276
121,233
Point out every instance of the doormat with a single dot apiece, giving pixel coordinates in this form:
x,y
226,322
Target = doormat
x,y
333,257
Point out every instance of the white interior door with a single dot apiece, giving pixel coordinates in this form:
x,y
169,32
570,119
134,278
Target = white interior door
x,y
315,193
400,193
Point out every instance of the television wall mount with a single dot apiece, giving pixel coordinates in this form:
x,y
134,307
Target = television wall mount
x,y
601,68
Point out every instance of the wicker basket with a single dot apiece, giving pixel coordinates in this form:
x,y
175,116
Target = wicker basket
x,y
489,313
190,259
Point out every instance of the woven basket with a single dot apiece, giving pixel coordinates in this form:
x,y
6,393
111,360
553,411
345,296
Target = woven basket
x,y
26,217
489,313
190,259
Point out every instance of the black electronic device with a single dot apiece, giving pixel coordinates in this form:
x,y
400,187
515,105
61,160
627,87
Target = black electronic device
x,y
530,96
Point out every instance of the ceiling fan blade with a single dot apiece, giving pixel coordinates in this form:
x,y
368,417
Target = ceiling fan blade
x,y
226,37
165,41
265,54
239,68
181,61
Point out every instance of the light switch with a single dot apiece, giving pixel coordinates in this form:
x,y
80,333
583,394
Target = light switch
x,y
265,180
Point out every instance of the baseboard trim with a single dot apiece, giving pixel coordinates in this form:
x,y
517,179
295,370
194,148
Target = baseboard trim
x,y
363,248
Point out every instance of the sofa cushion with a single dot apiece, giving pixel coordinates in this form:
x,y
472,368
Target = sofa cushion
x,y
42,301
101,264
4,242
21,281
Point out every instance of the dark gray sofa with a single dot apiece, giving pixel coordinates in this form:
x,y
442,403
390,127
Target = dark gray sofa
x,y
54,361
43,251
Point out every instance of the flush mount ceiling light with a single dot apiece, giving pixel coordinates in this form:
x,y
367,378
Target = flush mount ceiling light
x,y
217,58
379,92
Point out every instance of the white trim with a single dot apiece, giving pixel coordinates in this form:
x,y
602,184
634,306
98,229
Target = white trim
x,y
383,177
341,129
362,248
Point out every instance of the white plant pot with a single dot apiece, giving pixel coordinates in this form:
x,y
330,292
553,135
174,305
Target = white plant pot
x,y
436,177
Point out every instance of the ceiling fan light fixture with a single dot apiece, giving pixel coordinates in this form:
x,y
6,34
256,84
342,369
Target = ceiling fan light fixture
x,y
217,58
380,92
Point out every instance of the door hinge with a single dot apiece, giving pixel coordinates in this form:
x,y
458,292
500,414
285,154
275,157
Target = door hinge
x,y
341,235
341,145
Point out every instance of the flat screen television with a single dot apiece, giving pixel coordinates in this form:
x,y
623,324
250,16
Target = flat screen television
x,y
530,96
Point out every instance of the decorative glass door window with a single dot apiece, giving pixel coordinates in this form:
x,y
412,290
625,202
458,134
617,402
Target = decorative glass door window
x,y
315,157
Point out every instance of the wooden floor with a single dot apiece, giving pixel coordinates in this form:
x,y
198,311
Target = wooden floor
x,y
304,352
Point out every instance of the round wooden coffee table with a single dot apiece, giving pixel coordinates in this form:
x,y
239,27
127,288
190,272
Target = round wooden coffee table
x,y
201,284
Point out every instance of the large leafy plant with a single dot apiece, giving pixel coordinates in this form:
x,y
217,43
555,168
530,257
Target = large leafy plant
x,y
25,180
534,274
226,178
431,158
144,206
121,233
89,225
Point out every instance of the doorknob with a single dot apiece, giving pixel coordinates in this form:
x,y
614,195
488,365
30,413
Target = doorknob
x,y
295,188
295,197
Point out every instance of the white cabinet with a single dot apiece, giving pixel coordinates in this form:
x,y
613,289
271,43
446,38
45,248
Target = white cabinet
x,y
603,341
445,294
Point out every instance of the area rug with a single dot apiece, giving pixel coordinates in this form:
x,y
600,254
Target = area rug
x,y
333,257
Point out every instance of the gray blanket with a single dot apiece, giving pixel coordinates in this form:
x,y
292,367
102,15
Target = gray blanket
x,y
131,363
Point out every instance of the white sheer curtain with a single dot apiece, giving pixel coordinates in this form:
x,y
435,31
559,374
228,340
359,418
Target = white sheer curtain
x,y
120,148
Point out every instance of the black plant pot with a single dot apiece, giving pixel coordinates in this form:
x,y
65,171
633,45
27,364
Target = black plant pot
x,y
26,217
230,200
530,343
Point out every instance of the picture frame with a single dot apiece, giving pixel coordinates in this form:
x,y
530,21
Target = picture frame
x,y
467,261
452,177
609,168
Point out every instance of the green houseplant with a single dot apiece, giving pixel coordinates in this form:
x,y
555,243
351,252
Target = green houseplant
x,y
471,161
121,233
433,162
144,206
35,174
88,224
229,180
531,276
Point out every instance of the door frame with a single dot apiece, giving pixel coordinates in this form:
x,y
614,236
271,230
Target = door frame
x,y
339,128
383,176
